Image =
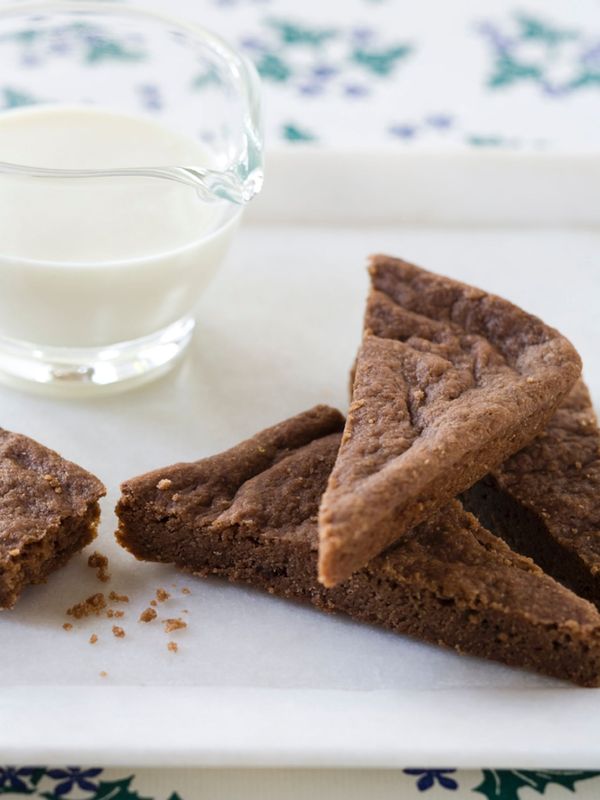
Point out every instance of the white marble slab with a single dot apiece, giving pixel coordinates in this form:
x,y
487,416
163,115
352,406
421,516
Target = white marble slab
x,y
256,679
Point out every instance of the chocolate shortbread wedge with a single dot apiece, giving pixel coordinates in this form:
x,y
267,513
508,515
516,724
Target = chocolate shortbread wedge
x,y
48,511
449,382
545,500
450,582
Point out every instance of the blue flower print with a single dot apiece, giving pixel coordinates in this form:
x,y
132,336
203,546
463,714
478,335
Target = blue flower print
x,y
72,777
439,121
12,778
403,131
428,777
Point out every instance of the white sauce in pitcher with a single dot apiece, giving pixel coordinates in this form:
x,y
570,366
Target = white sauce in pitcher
x,y
89,262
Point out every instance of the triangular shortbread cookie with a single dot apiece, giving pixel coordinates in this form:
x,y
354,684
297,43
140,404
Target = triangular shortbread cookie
x,y
545,500
48,511
449,382
249,515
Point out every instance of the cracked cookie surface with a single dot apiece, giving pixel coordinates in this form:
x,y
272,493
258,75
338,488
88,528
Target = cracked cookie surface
x,y
48,511
450,582
449,382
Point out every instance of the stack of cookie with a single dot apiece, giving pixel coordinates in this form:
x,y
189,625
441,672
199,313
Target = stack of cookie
x,y
421,512
457,503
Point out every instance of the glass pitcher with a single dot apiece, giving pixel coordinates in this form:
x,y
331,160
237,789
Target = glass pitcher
x,y
129,145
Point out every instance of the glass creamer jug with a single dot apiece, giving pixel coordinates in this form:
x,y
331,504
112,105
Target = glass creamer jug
x,y
131,144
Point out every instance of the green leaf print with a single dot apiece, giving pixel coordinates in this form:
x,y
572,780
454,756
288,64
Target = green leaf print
x,y
117,790
210,77
293,133
587,78
13,98
273,68
26,36
107,50
479,140
381,62
532,28
504,784
509,70
292,33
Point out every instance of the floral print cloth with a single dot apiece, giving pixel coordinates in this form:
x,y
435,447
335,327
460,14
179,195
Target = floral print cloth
x,y
355,74
77,783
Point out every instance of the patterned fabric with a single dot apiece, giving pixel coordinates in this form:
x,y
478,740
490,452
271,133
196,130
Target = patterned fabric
x,y
68,783
354,74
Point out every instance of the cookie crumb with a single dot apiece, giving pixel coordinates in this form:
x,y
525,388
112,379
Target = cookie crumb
x,y
164,483
174,625
118,598
94,604
148,615
54,483
185,590
67,626
99,562
153,603
162,595
173,647
118,632
103,674
93,638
